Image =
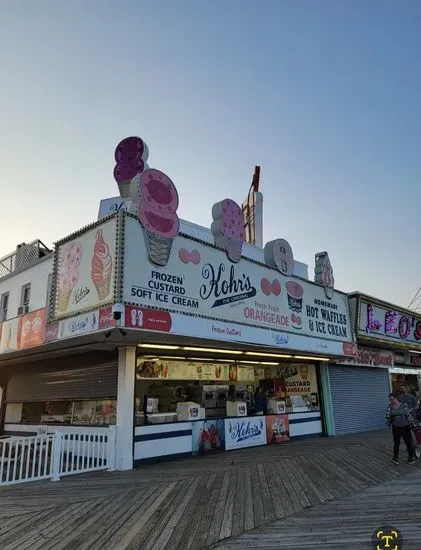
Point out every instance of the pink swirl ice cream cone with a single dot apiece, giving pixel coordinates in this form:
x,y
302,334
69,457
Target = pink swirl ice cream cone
x,y
101,266
69,274
228,228
130,155
157,208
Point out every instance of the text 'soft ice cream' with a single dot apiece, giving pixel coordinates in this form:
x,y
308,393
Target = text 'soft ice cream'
x,y
101,266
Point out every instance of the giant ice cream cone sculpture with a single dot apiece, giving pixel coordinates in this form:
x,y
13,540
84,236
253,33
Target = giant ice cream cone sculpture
x,y
158,203
101,266
228,228
69,274
323,273
130,155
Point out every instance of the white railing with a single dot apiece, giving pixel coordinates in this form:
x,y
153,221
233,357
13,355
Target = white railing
x,y
50,456
25,458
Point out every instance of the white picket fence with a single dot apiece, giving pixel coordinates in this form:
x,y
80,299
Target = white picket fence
x,y
52,455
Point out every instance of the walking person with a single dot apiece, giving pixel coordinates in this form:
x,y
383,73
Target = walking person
x,y
406,397
399,416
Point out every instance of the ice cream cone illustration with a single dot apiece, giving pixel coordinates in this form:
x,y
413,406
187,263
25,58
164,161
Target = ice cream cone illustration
x,y
295,302
228,228
101,266
68,273
323,273
130,155
158,203
304,372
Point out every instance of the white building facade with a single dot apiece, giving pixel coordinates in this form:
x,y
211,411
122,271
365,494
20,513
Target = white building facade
x,y
169,331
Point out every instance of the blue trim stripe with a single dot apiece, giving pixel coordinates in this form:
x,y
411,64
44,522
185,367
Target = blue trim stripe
x,y
162,435
164,458
304,420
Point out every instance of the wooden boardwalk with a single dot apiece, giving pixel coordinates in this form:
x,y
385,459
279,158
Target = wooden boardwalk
x,y
347,523
198,502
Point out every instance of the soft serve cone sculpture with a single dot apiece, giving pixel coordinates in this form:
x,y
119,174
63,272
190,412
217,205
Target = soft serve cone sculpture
x,y
158,203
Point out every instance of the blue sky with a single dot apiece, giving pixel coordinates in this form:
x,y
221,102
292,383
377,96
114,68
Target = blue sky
x,y
324,95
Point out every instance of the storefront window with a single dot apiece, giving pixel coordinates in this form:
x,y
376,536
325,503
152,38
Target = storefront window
x,y
90,413
408,380
221,390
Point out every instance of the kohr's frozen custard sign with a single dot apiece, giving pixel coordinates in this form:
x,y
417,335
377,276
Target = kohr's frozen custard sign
x,y
185,275
244,432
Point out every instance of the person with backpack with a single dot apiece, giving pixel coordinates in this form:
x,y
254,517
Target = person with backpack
x,y
399,416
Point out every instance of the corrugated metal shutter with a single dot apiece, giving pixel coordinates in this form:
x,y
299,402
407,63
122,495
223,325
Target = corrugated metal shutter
x,y
82,382
359,398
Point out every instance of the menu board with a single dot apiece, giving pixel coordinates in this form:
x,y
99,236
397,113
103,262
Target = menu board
x,y
299,378
161,369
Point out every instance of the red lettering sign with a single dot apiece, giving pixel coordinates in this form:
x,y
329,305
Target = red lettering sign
x,y
147,319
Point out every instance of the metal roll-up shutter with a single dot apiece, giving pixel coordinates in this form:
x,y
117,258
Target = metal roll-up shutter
x,y
84,382
359,398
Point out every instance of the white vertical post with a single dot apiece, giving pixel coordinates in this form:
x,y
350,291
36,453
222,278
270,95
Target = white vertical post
x,y
125,408
56,457
111,449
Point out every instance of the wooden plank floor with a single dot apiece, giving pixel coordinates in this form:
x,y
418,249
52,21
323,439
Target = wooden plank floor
x,y
198,502
347,523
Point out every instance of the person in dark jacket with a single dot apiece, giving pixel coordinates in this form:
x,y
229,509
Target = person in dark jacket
x,y
260,401
399,416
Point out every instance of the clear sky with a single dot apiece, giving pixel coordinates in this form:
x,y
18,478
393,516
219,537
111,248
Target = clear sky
x,y
324,95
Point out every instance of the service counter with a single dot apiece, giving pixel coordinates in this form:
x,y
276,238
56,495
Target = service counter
x,y
154,442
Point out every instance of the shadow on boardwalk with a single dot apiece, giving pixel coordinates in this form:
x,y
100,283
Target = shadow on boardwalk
x,y
198,502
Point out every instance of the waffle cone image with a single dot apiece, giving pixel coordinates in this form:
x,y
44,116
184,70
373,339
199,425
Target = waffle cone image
x,y
103,289
63,299
159,248
158,202
234,248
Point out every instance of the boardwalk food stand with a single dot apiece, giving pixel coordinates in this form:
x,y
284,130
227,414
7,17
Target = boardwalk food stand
x,y
172,331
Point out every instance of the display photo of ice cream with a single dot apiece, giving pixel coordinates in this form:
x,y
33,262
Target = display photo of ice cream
x,y
71,256
228,228
304,372
269,288
101,266
157,212
9,336
295,303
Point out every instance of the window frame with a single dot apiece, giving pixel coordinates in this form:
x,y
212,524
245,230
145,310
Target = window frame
x,y
4,298
26,288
